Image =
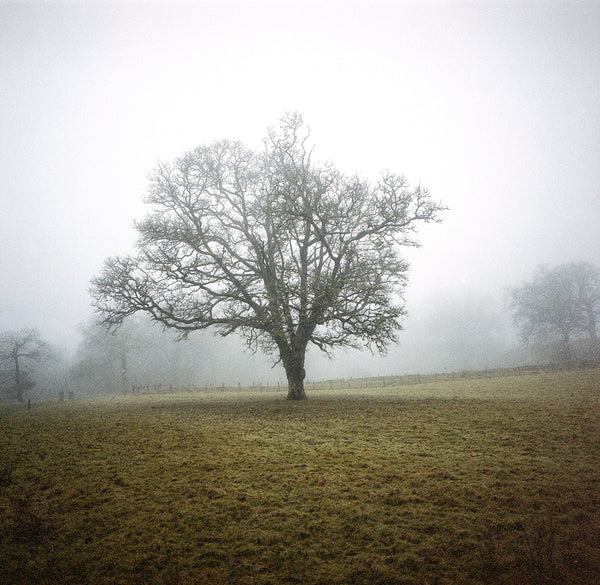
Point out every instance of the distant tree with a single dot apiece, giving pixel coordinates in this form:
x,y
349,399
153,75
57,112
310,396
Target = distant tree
x,y
19,352
558,304
137,353
103,357
272,246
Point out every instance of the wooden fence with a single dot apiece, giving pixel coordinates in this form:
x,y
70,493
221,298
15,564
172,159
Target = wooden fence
x,y
361,383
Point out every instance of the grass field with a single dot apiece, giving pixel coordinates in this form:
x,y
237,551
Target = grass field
x,y
456,482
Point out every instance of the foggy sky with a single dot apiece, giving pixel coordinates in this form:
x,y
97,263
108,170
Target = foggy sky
x,y
494,106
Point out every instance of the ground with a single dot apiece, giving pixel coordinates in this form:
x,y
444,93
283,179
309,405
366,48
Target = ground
x,y
494,480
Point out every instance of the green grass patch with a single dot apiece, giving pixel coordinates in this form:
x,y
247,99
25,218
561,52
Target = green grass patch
x,y
475,481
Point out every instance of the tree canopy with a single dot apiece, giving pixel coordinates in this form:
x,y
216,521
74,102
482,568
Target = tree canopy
x,y
271,245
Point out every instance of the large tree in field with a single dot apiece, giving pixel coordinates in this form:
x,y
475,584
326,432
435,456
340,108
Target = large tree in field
x,y
272,245
559,303
19,351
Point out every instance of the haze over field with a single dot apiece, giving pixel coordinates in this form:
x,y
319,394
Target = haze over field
x,y
494,106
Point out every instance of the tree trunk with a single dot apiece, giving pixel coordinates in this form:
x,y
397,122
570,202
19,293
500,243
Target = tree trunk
x,y
18,382
296,389
566,352
594,352
294,369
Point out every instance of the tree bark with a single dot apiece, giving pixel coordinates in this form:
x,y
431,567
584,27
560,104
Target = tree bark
x,y
296,388
293,363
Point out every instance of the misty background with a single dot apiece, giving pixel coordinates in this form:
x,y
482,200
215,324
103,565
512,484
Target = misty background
x,y
493,106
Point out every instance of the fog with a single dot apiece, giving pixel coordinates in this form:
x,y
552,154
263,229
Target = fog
x,y
494,106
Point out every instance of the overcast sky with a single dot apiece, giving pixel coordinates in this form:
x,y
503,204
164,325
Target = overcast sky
x,y
494,106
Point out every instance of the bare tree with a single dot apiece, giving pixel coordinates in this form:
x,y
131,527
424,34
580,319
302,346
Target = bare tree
x,y
105,357
559,303
138,353
19,350
269,244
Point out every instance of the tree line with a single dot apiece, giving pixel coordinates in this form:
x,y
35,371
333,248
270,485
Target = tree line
x,y
556,312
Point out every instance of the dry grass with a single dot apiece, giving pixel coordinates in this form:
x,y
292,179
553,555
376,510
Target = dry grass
x,y
482,481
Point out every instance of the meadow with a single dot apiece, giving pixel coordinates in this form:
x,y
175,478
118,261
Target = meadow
x,y
452,482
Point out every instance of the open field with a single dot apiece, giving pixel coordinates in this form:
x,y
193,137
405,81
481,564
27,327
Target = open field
x,y
456,482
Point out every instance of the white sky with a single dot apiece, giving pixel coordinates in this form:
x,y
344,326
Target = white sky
x,y
495,106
